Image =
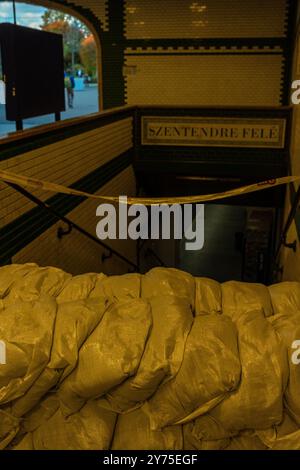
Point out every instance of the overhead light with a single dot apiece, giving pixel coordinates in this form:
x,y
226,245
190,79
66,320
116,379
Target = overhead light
x,y
199,23
131,9
196,8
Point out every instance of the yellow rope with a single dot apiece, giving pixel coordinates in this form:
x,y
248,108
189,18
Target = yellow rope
x,y
34,183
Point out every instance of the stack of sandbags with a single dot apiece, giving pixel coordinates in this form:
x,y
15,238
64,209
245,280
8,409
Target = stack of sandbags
x,y
209,371
162,357
109,356
133,432
159,361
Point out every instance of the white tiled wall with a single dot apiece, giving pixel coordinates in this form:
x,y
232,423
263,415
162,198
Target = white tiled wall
x,y
205,19
64,163
253,79
290,260
75,253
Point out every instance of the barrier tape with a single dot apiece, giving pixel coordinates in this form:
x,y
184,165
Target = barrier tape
x,y
33,183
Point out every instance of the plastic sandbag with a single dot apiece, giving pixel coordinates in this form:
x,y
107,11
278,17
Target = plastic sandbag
x,y
168,281
9,426
133,433
48,379
172,321
192,441
285,436
208,296
40,414
257,403
239,297
286,298
98,289
288,327
75,321
27,330
125,287
26,443
13,273
247,440
37,282
78,288
210,369
207,428
90,429
110,355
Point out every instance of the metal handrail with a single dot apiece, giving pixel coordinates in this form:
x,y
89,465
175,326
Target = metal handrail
x,y
287,225
150,251
70,224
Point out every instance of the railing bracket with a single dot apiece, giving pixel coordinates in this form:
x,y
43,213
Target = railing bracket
x,y
291,246
61,232
105,257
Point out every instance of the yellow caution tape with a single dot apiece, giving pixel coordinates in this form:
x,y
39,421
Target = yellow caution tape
x,y
34,183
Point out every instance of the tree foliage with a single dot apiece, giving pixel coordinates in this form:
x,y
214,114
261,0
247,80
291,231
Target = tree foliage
x,y
87,54
72,30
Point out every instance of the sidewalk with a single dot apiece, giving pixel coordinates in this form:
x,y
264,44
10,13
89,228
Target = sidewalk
x,y
85,102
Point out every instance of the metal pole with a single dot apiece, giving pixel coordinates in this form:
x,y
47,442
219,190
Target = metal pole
x,y
288,224
14,11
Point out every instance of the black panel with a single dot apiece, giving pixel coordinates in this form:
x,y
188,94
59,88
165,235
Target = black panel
x,y
33,66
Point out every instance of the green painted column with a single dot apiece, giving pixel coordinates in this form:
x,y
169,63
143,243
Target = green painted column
x,y
113,43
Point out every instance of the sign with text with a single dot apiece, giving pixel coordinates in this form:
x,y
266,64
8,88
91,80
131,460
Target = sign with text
x,y
213,132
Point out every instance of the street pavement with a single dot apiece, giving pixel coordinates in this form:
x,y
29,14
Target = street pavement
x,y
85,102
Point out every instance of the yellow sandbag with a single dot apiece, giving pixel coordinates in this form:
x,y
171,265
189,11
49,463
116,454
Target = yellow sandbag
x,y
75,321
78,288
285,436
208,296
133,433
207,428
98,289
168,281
210,369
40,414
91,428
11,274
9,426
125,287
285,298
47,379
239,297
192,441
172,321
247,440
110,355
288,327
117,288
25,444
27,331
37,282
257,403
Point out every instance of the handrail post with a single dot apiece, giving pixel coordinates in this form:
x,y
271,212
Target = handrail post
x,y
287,225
